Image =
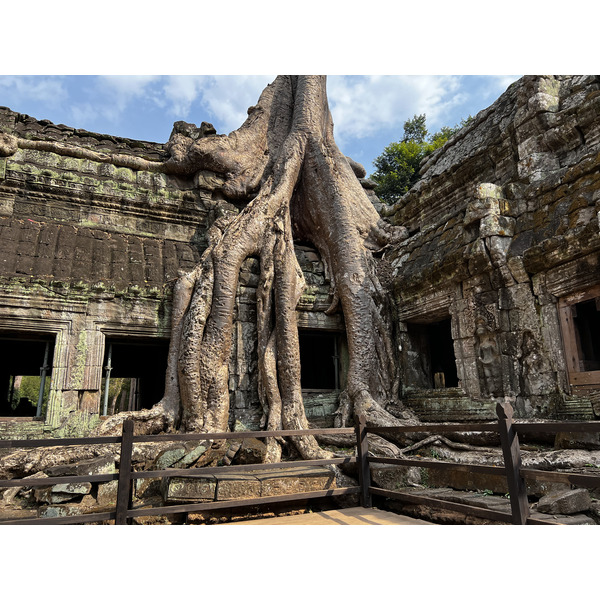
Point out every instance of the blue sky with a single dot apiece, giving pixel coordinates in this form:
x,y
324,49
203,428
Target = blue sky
x,y
368,111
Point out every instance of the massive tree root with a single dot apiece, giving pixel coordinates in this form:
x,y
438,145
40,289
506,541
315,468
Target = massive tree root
x,y
302,187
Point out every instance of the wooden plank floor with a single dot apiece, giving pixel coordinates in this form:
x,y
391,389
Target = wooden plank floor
x,y
346,516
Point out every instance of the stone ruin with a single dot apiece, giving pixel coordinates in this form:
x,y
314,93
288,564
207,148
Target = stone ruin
x,y
497,286
502,268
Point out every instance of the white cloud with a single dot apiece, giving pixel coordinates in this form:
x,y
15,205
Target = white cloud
x,y
179,92
228,98
366,106
124,89
16,89
362,106
222,99
83,113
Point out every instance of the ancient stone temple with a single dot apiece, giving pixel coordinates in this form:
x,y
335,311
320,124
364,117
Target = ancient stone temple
x,y
497,286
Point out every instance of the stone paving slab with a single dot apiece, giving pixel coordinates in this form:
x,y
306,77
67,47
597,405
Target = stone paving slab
x,y
346,516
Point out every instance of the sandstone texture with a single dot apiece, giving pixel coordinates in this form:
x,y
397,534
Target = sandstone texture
x,y
567,502
504,244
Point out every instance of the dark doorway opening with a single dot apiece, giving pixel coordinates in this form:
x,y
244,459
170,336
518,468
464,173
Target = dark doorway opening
x,y
25,374
319,360
134,374
586,318
435,347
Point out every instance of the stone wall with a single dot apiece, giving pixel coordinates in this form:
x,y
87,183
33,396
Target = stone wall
x,y
504,223
89,252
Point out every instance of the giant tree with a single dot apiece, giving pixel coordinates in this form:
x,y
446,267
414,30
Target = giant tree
x,y
298,186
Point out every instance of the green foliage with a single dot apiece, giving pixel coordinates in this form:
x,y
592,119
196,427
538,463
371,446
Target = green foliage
x,y
27,389
415,129
118,394
398,165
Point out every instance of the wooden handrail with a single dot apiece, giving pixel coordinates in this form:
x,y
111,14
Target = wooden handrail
x,y
507,428
446,427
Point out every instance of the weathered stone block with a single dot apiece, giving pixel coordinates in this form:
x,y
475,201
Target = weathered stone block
x,y
478,258
391,477
189,489
192,455
575,440
252,451
67,510
8,495
72,488
61,492
542,102
479,208
537,165
498,247
489,190
94,466
565,503
517,270
295,480
168,457
107,492
577,519
236,486
496,225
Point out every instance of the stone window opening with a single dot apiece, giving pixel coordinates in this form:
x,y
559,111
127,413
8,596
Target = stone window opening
x,y
133,374
580,326
320,360
25,374
432,344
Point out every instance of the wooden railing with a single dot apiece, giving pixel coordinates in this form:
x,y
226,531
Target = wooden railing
x,y
515,474
124,511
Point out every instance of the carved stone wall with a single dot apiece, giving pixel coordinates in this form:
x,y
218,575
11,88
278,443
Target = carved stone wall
x,y
504,223
89,252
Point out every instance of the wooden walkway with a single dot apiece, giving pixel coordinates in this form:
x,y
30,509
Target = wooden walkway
x,y
345,516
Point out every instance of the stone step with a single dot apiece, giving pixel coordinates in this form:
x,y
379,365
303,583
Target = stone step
x,y
239,485
576,408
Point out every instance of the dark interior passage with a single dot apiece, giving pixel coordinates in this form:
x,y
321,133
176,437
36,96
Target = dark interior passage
x,y
136,374
432,343
319,360
586,318
25,367
443,359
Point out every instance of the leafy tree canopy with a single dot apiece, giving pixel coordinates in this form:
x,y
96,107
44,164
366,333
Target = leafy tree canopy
x,y
398,165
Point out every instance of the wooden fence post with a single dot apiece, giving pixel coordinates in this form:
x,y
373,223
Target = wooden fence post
x,y
512,463
125,481
364,471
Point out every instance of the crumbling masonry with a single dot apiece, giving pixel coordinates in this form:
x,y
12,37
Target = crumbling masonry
x,y
497,286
